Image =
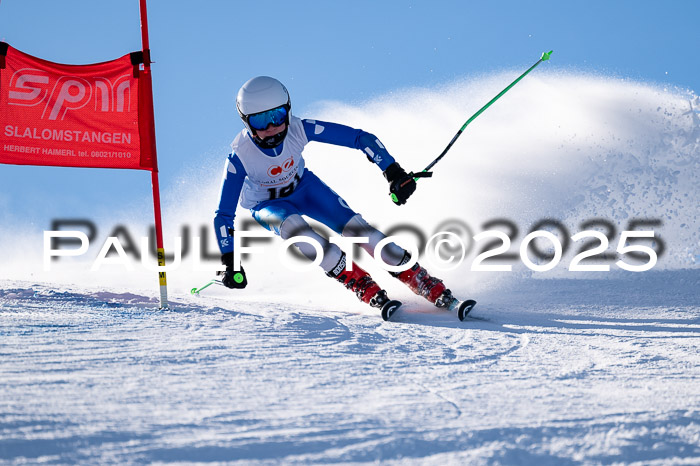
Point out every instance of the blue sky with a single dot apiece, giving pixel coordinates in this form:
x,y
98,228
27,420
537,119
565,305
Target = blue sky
x,y
339,51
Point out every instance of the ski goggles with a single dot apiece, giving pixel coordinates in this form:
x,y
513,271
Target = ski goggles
x,y
274,117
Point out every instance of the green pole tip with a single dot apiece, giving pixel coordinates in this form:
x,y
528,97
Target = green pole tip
x,y
545,55
193,291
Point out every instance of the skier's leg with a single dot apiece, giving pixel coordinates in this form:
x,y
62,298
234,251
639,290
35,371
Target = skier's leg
x,y
416,278
284,219
323,204
316,200
392,254
334,262
359,282
420,282
295,225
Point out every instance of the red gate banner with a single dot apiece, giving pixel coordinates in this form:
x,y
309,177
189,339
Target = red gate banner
x,y
95,115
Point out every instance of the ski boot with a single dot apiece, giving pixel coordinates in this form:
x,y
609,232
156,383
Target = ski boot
x,y
433,289
366,289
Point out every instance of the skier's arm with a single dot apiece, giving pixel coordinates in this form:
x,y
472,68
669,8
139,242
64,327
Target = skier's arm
x,y
231,185
341,135
402,185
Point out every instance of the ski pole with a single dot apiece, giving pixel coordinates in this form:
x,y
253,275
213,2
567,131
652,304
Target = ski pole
x,y
196,290
425,173
237,277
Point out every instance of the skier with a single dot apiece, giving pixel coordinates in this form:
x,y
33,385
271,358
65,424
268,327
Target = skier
x,y
266,173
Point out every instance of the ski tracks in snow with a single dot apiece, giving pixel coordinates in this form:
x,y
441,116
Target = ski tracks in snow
x,y
105,377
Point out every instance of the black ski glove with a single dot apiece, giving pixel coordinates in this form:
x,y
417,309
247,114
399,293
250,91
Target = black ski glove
x,y
230,278
401,184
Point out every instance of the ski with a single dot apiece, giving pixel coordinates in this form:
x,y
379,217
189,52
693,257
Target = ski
x,y
464,308
389,308
449,302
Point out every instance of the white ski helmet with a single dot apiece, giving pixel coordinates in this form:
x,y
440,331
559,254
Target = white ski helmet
x,y
259,95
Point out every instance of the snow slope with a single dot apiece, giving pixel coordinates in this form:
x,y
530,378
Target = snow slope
x,y
556,367
548,372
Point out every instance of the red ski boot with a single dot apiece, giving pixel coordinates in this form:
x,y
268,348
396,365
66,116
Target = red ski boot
x,y
432,289
421,283
366,289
